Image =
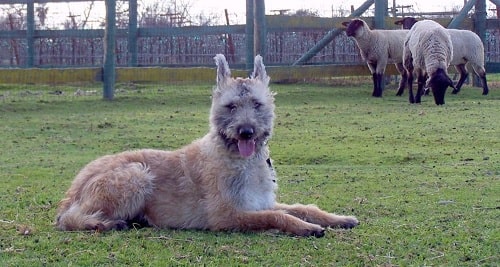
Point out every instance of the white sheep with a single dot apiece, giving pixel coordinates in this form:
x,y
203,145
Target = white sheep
x,y
467,47
427,53
378,48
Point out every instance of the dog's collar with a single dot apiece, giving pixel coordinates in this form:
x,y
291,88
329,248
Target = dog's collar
x,y
270,166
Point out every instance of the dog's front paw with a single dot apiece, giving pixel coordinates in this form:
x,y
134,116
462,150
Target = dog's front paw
x,y
313,230
318,234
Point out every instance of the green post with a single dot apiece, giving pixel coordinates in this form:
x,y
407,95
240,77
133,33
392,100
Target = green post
x,y
380,13
480,19
249,35
260,29
30,33
459,18
331,35
109,72
480,29
132,33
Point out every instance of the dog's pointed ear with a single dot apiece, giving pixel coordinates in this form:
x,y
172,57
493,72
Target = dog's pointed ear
x,y
259,70
223,71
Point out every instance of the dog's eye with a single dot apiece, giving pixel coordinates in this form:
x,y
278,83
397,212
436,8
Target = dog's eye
x,y
256,105
232,107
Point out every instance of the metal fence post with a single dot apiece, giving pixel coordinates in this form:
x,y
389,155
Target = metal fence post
x,y
30,33
380,13
459,18
249,35
260,29
330,36
109,71
132,33
480,29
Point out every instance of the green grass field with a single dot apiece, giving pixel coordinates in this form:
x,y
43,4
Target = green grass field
x,y
424,180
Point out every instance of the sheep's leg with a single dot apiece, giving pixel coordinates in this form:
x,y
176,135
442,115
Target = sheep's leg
x,y
380,70
375,84
380,85
481,72
427,90
420,87
463,75
376,80
408,64
404,77
410,87
485,85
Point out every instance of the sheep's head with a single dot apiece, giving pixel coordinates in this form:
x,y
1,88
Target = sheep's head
x,y
439,82
406,23
354,27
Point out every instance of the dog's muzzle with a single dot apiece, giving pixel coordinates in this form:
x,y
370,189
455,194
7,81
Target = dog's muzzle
x,y
246,132
246,140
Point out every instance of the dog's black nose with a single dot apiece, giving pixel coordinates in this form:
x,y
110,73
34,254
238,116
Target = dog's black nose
x,y
246,132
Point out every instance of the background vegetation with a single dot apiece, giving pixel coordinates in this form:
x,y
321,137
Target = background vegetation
x,y
422,179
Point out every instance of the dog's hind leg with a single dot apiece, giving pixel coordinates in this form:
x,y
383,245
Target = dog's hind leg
x,y
74,219
313,214
107,200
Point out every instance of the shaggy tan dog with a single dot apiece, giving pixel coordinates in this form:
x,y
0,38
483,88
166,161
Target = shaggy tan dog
x,y
223,181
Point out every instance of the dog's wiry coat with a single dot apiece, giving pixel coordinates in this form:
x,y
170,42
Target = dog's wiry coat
x,y
223,181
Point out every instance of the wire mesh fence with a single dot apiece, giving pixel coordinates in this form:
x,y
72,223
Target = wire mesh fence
x,y
282,48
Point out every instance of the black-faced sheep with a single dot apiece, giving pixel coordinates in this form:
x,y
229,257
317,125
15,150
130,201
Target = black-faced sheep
x,y
467,47
378,48
427,53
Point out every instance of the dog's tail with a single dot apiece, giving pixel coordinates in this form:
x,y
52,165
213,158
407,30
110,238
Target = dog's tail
x,y
73,219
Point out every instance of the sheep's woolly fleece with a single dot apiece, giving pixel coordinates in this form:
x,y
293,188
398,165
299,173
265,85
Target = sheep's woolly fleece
x,y
378,48
430,46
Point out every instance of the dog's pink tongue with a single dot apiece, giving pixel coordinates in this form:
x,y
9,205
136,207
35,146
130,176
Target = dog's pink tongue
x,y
246,147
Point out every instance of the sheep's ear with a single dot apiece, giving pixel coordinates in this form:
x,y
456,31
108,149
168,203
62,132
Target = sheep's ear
x,y
259,70
398,22
223,71
346,23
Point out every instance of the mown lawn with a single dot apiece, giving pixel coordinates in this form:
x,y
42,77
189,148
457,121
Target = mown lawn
x,y
424,180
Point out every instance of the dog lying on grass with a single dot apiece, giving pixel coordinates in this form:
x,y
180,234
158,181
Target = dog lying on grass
x,y
221,182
